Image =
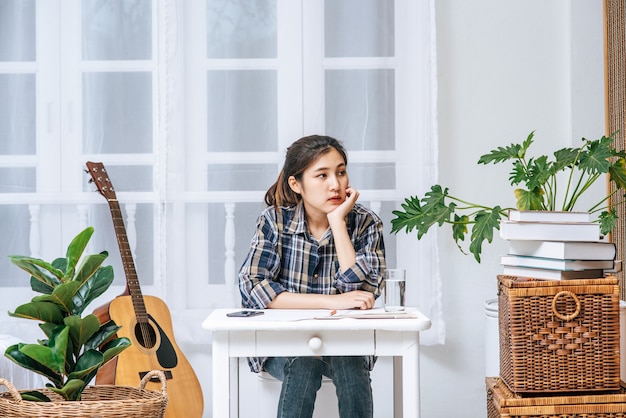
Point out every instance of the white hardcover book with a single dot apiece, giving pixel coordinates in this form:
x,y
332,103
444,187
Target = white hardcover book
x,y
540,231
547,274
565,250
549,216
554,263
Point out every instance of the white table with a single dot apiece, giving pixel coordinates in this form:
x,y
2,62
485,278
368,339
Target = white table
x,y
282,332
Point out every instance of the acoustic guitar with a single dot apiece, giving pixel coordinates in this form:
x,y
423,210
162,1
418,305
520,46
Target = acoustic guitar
x,y
146,320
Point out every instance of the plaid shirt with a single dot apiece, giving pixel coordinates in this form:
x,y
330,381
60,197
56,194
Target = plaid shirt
x,y
284,256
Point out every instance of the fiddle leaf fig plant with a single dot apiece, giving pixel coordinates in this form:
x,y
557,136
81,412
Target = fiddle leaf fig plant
x,y
75,347
541,183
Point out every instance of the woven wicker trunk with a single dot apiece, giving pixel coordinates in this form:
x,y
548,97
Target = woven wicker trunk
x,y
501,402
559,336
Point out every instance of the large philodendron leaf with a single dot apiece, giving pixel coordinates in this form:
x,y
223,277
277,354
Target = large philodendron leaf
x,y
81,330
62,296
15,354
94,287
43,311
486,223
114,347
617,173
529,200
75,250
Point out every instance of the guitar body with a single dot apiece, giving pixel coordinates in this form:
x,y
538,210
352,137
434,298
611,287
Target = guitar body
x,y
152,348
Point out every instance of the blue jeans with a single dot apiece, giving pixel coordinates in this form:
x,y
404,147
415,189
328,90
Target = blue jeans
x,y
302,377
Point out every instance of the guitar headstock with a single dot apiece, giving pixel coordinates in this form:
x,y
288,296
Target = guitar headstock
x,y
101,179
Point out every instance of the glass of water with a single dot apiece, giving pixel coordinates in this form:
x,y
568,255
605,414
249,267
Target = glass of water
x,y
395,282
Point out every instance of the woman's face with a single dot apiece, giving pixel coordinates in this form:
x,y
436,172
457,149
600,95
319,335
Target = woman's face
x,y
323,184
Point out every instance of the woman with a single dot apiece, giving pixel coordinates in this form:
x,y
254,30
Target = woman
x,y
315,248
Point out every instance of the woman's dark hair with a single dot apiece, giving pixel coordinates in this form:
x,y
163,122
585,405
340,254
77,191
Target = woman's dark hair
x,y
300,155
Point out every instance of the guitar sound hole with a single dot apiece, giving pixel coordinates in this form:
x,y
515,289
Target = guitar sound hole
x,y
145,335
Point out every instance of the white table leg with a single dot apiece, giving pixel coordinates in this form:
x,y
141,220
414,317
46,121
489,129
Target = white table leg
x,y
411,376
221,375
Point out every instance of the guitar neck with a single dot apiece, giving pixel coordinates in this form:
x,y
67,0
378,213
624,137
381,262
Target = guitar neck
x,y
132,281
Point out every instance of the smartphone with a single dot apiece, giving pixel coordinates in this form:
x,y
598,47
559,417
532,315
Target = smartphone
x,y
243,314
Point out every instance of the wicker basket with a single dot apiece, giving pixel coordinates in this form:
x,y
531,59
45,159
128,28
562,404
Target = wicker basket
x,y
559,336
100,401
501,402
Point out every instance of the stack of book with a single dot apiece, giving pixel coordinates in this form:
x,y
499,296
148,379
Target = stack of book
x,y
555,246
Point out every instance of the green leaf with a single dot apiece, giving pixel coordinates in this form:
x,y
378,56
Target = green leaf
x,y
518,174
114,347
75,250
81,329
38,269
14,354
89,265
539,172
34,396
564,158
608,220
527,200
43,311
617,173
596,158
106,331
40,287
48,327
94,287
415,216
62,296
485,223
89,361
511,152
53,356
459,227
72,389
44,356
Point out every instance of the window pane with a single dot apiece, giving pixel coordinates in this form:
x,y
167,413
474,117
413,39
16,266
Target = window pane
x,y
17,30
136,178
359,28
239,177
241,28
104,239
117,109
372,176
360,108
242,114
17,114
15,227
117,30
17,180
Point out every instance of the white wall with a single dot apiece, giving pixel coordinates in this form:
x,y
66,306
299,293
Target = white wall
x,y
506,68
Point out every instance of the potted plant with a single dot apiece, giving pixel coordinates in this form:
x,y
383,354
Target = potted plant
x,y
75,347
537,188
